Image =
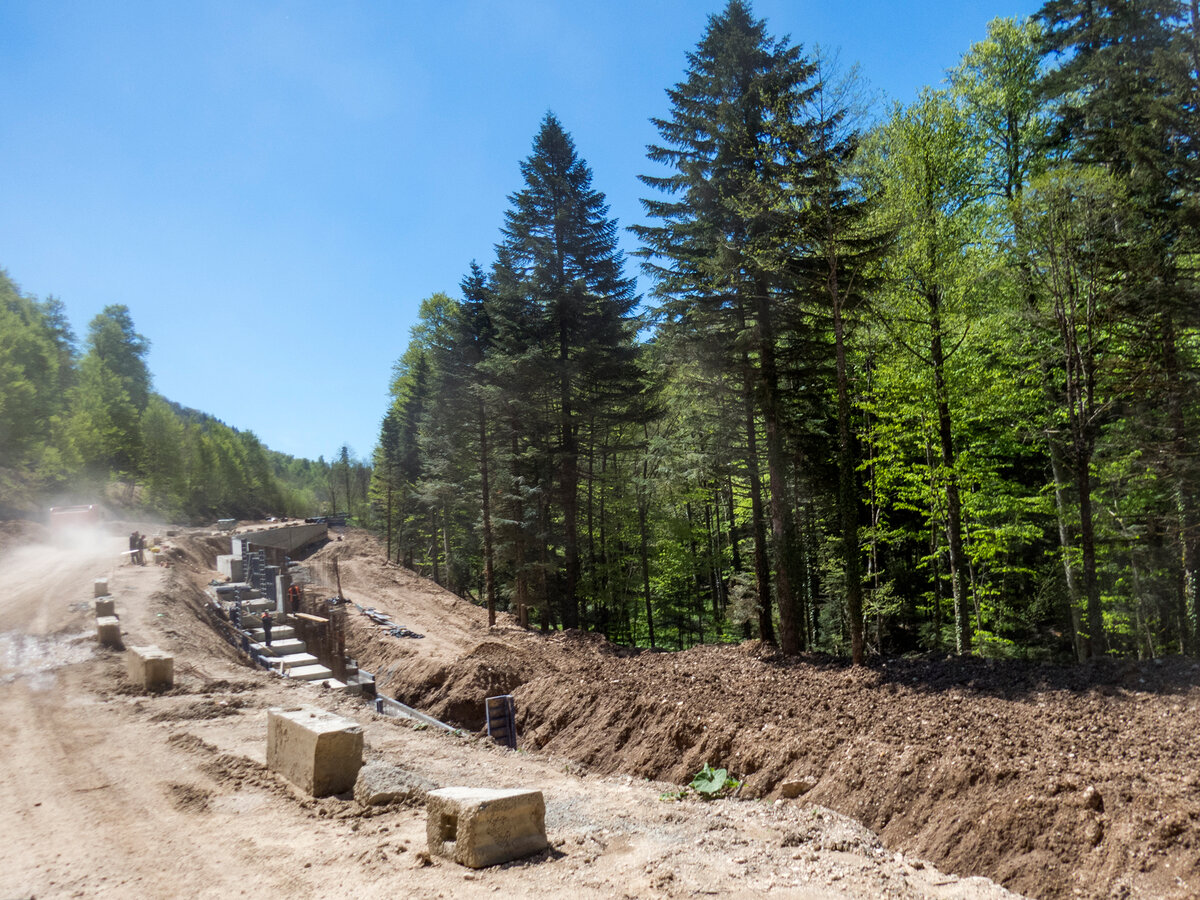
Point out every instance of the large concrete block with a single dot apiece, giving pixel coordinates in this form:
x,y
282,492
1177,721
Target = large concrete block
x,y
108,630
105,606
150,668
99,587
230,566
480,827
316,750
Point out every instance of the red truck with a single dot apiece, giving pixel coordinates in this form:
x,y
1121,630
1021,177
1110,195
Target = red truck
x,y
63,518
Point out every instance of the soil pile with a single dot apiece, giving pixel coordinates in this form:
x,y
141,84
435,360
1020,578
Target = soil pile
x,y
1055,781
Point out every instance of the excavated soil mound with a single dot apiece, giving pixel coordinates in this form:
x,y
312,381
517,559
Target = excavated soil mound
x,y
1047,779
453,693
1055,781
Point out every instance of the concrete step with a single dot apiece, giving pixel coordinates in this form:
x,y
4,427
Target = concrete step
x,y
286,647
258,606
310,672
278,632
297,660
333,684
358,679
235,589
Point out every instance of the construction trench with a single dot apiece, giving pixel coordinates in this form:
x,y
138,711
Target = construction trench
x,y
1058,782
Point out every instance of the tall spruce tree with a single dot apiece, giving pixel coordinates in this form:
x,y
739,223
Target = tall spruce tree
x,y
729,141
560,285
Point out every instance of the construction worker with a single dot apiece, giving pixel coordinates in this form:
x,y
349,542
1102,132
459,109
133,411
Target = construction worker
x,y
267,622
295,595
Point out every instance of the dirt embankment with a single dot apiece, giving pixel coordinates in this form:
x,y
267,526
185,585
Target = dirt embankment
x,y
1055,781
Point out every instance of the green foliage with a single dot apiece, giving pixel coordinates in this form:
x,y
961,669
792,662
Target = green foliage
x,y
712,783
927,386
66,420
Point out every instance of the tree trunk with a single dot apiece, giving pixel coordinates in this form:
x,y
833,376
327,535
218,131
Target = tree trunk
x,y
644,556
1064,543
489,570
388,519
962,621
762,572
848,496
569,481
1087,544
520,573
782,526
735,551
433,534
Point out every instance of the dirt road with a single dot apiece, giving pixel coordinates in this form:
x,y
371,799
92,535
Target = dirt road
x,y
106,792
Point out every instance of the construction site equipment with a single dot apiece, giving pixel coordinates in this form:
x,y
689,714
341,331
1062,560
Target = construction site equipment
x,y
501,714
393,628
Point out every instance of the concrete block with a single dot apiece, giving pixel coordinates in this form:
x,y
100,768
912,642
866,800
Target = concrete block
x,y
480,827
379,783
316,750
230,566
794,787
150,668
108,630
100,587
105,606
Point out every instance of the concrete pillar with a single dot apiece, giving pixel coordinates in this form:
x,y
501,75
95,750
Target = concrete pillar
x,y
480,827
100,587
105,606
108,630
316,750
282,583
230,566
150,668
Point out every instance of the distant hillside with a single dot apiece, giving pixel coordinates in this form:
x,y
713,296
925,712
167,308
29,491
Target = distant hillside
x,y
82,423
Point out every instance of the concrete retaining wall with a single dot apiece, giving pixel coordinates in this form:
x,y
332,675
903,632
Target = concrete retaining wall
x,y
230,566
287,538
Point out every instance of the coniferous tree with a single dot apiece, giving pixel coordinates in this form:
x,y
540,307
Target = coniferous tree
x,y
559,273
729,140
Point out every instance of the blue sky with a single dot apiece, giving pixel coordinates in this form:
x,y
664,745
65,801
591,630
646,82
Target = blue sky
x,y
273,187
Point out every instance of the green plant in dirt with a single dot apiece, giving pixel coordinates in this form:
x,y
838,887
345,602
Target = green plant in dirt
x,y
712,783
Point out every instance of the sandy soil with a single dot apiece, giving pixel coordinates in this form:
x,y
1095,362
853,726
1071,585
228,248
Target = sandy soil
x,y
108,792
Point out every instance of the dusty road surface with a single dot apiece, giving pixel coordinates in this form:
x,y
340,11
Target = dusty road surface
x,y
108,792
